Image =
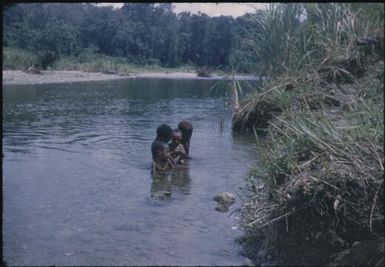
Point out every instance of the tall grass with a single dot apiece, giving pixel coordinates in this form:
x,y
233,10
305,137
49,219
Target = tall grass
x,y
322,48
321,158
295,36
17,59
323,175
95,63
320,174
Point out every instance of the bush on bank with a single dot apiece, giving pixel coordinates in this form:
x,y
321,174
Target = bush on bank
x,y
88,61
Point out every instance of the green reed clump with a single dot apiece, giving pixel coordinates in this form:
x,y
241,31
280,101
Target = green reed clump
x,y
291,37
323,49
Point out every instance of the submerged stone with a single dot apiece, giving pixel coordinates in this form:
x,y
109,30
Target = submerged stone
x,y
222,208
224,200
249,262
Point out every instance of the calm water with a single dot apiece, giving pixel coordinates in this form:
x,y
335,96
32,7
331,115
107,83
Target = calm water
x,y
76,175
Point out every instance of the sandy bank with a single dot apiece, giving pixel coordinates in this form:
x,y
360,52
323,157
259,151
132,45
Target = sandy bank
x,y
20,77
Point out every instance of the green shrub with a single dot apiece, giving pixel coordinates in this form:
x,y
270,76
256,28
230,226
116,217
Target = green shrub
x,y
18,59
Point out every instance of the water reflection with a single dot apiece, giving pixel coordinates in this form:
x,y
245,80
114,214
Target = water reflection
x,y
180,180
161,186
176,181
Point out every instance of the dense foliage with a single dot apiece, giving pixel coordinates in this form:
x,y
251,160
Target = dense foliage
x,y
141,33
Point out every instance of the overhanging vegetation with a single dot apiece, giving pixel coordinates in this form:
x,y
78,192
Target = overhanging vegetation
x,y
321,112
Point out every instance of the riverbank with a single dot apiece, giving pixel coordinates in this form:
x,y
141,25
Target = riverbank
x,y
317,194
46,77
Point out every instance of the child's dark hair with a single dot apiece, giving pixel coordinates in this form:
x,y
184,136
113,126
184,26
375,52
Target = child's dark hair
x,y
163,133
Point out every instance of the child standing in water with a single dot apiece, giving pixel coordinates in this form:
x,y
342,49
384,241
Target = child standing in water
x,y
186,128
163,134
178,152
162,161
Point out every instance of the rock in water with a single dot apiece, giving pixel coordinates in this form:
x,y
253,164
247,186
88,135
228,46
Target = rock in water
x,y
222,208
249,262
225,198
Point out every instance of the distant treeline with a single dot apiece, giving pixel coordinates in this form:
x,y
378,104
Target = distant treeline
x,y
142,33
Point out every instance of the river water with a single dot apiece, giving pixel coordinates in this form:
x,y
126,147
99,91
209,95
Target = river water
x,y
77,188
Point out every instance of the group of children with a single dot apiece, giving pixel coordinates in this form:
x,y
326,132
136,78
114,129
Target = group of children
x,y
167,155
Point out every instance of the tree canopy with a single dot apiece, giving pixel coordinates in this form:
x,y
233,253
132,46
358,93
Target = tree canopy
x,y
144,33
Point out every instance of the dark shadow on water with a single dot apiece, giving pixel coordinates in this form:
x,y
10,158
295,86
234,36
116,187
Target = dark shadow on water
x,y
177,181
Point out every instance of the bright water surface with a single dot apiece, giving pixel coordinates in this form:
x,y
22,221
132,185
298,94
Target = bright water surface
x,y
77,183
